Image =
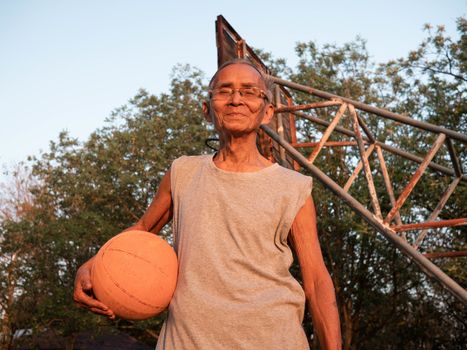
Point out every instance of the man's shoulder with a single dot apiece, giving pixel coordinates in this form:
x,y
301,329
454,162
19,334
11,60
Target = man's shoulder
x,y
186,163
293,175
184,167
291,179
191,160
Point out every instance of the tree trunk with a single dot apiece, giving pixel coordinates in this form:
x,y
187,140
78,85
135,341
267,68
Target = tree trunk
x,y
6,337
348,325
70,342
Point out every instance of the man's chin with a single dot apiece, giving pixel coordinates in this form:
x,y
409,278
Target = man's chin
x,y
238,130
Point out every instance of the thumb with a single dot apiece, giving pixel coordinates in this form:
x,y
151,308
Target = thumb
x,y
86,283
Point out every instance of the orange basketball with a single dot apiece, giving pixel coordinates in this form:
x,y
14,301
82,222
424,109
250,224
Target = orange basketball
x,y
135,274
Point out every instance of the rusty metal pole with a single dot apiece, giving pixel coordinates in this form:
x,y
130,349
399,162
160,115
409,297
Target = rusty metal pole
x,y
431,224
388,183
455,160
358,168
280,123
436,255
313,105
366,163
426,265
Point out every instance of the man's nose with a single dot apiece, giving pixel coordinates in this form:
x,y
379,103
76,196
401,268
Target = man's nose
x,y
236,97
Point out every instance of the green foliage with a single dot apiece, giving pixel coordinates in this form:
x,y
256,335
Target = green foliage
x,y
89,191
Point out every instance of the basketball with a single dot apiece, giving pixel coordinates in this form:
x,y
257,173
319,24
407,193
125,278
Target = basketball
x,y
135,274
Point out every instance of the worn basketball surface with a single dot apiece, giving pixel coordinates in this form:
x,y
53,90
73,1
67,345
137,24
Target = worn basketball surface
x,y
135,274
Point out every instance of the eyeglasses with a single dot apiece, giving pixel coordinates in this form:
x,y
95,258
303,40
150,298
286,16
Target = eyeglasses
x,y
247,93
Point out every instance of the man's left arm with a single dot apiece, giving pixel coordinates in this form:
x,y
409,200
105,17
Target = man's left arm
x,y
317,283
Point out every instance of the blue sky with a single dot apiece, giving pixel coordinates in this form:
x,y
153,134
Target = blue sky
x,y
65,65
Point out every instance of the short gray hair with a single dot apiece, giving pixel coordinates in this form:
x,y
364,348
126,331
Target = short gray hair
x,y
268,83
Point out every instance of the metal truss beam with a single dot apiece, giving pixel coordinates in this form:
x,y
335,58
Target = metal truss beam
x,y
425,264
278,141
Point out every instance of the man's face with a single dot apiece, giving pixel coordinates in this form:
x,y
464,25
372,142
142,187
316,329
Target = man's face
x,y
234,113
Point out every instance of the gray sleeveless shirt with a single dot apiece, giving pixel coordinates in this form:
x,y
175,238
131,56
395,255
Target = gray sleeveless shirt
x,y
234,289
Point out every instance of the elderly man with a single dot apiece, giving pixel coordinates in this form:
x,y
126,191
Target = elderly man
x,y
233,214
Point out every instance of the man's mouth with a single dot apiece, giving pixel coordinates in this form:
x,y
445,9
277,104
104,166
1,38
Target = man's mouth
x,y
235,114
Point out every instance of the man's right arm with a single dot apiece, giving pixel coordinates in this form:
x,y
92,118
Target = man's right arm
x,y
156,216
159,212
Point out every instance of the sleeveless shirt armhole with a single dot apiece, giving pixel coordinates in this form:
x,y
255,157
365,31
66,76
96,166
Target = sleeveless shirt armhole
x,y
304,192
174,175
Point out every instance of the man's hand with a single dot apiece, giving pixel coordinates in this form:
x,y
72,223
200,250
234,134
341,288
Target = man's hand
x,y
83,295
157,215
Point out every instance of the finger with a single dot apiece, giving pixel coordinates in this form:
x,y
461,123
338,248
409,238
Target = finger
x,y
88,302
109,313
86,285
83,277
85,281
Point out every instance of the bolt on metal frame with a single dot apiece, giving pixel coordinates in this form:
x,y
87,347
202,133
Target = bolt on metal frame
x,y
278,141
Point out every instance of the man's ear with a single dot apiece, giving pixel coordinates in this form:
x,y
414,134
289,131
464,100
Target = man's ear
x,y
268,113
206,111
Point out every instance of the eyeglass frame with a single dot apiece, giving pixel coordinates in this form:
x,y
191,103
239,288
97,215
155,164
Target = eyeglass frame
x,y
263,93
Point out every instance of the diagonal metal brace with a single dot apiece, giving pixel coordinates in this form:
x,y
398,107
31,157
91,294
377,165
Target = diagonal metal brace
x,y
416,176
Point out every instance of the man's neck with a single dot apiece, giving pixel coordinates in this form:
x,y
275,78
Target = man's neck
x,y
240,154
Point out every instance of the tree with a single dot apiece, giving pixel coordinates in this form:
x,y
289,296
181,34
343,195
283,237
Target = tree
x,y
89,191
431,84
16,204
